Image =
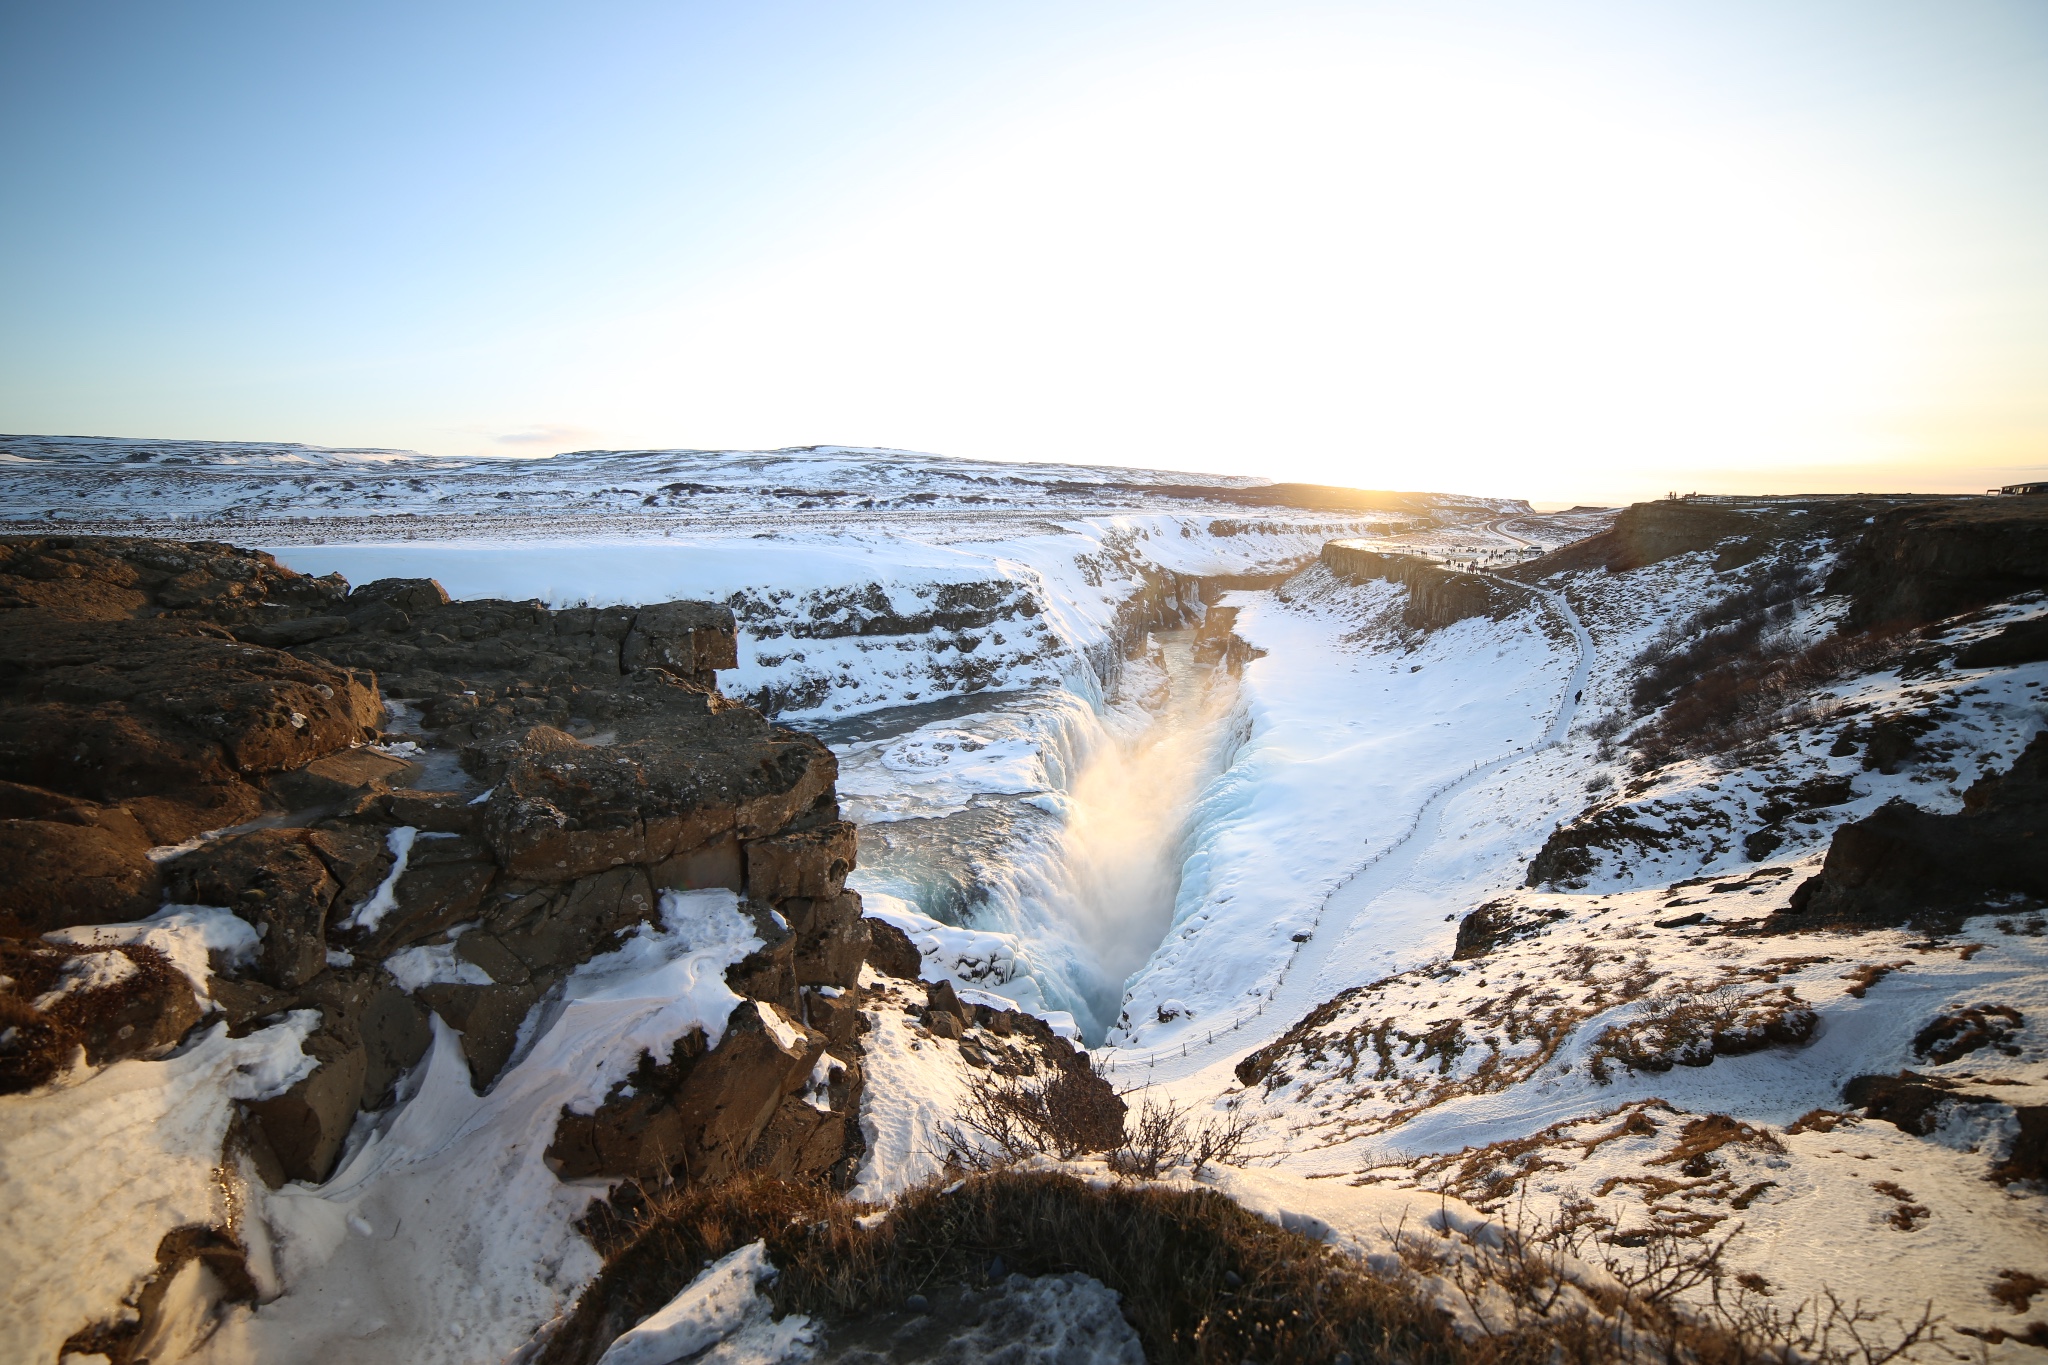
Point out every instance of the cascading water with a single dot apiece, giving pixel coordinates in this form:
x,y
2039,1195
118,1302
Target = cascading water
x,y
1048,829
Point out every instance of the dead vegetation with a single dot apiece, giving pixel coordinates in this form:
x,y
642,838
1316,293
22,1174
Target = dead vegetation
x,y
1165,1136
1961,1032
1204,1280
1729,676
1707,1162
1688,1027
63,1006
1007,1119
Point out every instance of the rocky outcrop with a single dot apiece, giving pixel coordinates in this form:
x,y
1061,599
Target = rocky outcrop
x,y
1647,533
1498,923
1935,558
108,1003
2022,642
153,691
1437,596
1904,865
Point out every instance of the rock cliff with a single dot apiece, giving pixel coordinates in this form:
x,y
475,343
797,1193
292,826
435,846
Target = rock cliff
x,y
1437,597
194,724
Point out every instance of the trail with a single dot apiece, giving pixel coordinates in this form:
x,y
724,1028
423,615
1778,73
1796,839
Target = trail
x,y
1315,972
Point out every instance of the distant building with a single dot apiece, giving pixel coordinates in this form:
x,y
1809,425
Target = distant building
x,y
2023,488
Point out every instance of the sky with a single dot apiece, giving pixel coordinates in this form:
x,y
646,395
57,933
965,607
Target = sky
x,y
1569,250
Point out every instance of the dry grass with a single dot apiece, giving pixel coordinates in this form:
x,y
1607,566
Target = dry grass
x,y
1688,1027
1203,1280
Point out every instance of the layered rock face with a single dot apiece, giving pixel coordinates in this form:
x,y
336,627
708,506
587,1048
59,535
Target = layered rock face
x,y
573,768
1924,561
1437,597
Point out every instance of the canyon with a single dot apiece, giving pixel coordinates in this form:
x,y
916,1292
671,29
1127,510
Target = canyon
x,y
421,874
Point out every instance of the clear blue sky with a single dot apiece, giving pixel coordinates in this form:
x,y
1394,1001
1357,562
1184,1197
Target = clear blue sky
x,y
1560,250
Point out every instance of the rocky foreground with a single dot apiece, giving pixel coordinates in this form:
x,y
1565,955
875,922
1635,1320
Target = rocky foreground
x,y
192,725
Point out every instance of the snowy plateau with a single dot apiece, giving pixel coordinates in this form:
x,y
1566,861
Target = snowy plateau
x,y
1637,903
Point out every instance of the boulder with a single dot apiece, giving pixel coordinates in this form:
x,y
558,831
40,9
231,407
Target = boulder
x,y
768,974
59,873
715,864
410,595
891,952
488,1017
303,1129
698,1116
562,809
275,879
556,927
836,1015
433,812
833,956
338,778
1901,864
812,863
445,881
690,639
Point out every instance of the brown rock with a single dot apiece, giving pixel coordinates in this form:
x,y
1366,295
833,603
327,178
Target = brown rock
x,y
769,973
434,812
1903,864
445,881
166,716
557,927
833,957
687,638
337,778
363,1005
940,996
488,1018
110,578
835,1016
716,864
810,863
699,1115
305,1126
57,874
891,952
246,1002
487,951
275,879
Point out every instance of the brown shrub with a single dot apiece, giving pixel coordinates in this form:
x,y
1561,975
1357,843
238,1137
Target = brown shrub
x,y
1204,1280
1165,1136
1007,1119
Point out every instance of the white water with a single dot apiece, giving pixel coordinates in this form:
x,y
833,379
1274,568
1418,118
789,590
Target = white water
x,y
1055,826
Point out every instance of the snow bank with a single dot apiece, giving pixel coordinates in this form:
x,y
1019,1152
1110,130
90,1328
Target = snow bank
x,y
722,1307
98,1168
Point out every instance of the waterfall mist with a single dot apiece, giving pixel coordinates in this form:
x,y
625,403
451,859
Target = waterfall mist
x,y
1127,812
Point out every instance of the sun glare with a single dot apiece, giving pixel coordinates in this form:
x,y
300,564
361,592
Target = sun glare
x,y
1401,271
